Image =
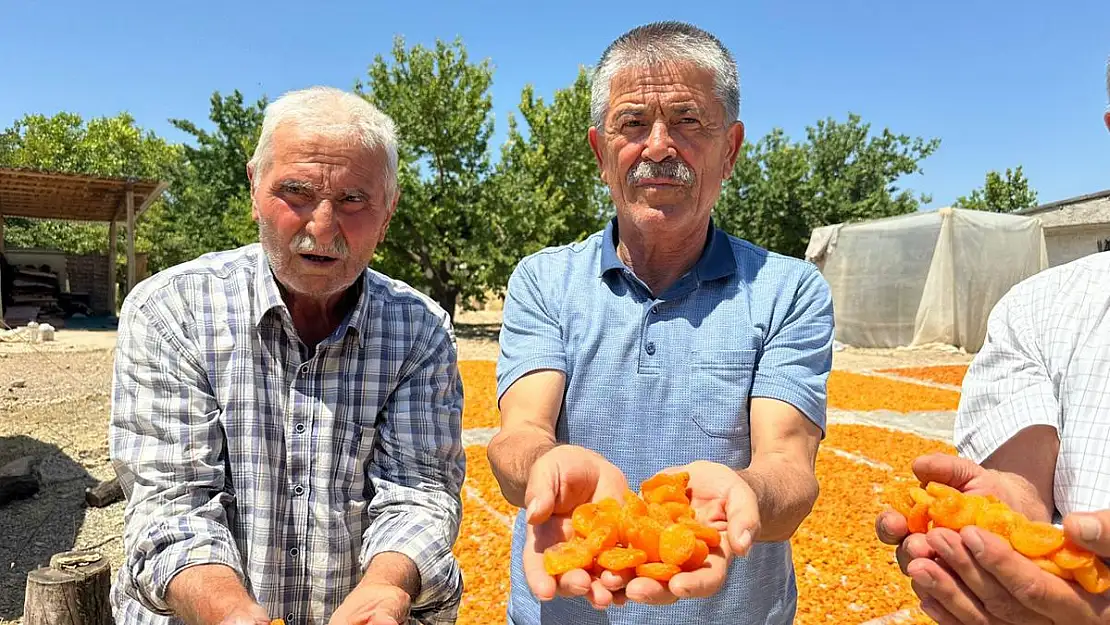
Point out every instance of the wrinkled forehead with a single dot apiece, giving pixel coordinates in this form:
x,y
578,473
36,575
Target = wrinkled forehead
x,y
662,84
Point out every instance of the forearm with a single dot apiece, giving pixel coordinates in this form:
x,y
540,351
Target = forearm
x,y
394,569
511,455
1025,498
786,491
206,593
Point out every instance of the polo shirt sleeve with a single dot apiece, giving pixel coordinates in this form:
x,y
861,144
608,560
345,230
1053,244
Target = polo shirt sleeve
x,y
797,356
531,335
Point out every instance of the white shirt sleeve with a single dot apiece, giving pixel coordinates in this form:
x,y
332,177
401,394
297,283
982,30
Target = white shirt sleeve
x,y
1008,386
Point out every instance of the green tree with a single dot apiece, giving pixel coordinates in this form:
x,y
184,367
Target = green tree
x,y
547,182
780,190
106,146
1001,194
211,209
442,238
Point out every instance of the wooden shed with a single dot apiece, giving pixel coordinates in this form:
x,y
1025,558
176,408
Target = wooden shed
x,y
77,197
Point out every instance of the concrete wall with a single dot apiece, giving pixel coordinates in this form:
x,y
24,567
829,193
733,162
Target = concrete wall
x,y
1067,244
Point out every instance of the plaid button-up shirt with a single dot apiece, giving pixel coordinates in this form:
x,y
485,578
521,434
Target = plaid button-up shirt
x,y
237,445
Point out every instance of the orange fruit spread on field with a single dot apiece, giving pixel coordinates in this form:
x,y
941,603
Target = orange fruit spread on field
x,y
844,574
952,375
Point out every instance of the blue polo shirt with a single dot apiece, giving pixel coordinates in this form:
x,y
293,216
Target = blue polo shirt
x,y
659,381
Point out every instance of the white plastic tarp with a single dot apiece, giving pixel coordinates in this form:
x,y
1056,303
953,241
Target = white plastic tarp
x,y
923,278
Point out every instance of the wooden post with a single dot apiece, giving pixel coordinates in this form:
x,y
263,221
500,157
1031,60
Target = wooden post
x,y
73,590
130,239
112,238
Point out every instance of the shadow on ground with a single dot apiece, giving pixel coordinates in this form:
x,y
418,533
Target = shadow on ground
x,y
32,530
477,331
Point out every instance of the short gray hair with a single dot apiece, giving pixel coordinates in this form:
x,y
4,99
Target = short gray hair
x,y
661,42
332,113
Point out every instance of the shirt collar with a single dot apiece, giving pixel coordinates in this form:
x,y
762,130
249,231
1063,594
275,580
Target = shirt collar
x,y
267,297
717,258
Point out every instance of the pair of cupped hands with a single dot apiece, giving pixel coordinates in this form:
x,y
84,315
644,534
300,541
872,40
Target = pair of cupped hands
x,y
568,475
974,577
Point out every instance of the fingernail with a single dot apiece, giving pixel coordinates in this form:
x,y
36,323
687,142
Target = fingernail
x,y
925,580
744,540
973,541
1089,528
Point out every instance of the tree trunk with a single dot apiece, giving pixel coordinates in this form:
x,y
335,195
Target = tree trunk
x,y
73,590
447,298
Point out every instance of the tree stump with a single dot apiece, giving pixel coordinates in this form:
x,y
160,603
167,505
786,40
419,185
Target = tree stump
x,y
73,590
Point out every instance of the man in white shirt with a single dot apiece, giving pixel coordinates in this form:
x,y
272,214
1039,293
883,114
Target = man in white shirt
x,y
1033,428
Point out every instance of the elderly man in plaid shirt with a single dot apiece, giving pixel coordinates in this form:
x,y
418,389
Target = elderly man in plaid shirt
x,y
1033,429
287,422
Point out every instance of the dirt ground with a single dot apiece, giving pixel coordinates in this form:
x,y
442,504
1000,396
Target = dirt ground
x,y
54,405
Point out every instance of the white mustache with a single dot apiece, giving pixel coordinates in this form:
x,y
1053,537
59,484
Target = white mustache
x,y
305,243
670,169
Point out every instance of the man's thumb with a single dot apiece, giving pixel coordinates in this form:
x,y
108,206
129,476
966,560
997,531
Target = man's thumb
x,y
1090,530
539,496
946,469
742,512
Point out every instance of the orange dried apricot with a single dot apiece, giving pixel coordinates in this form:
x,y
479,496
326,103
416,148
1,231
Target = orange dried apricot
x,y
583,518
659,513
1035,539
951,512
621,558
645,535
678,510
667,492
681,479
702,532
676,544
998,519
1094,578
1072,556
1051,567
917,521
701,552
659,571
567,556
603,536
919,495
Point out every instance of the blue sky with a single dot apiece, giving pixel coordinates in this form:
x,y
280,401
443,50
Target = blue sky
x,y
1001,83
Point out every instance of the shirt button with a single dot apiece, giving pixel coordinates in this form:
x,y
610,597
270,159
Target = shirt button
x,y
650,348
289,618
298,490
655,310
304,368
299,428
294,552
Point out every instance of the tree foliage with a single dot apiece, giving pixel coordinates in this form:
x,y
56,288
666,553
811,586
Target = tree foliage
x,y
780,190
1001,194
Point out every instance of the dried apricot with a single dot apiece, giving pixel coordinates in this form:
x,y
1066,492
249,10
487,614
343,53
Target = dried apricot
x,y
645,535
1035,539
659,513
703,532
603,536
701,552
559,559
997,518
621,558
676,544
939,491
681,479
660,571
583,518
1094,578
951,512
667,492
678,510
918,495
917,521
1071,556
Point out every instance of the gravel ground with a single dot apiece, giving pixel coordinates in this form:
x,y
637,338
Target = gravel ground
x,y
54,405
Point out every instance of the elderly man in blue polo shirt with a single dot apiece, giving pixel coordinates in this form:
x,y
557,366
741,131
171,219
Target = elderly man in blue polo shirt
x,y
662,342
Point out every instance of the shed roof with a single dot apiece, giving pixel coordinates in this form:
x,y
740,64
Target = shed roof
x,y
1093,208
53,195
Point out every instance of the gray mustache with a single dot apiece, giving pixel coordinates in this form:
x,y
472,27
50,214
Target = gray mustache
x,y
305,243
670,169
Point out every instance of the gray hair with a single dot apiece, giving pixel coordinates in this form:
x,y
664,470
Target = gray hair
x,y
332,113
660,42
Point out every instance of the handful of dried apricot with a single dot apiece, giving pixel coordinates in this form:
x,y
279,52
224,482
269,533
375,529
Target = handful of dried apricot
x,y
940,505
654,533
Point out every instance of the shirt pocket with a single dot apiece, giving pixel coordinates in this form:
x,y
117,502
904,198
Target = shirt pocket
x,y
720,385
